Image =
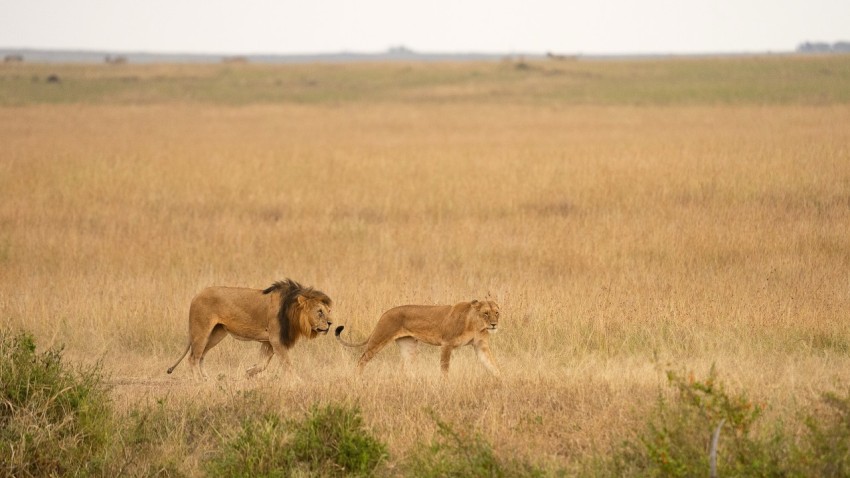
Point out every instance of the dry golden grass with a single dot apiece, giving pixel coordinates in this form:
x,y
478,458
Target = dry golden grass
x,y
619,241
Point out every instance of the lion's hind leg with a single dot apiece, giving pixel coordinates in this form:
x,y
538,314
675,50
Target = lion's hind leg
x,y
266,354
200,345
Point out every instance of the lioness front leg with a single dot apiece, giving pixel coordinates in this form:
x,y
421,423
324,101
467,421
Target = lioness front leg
x,y
482,350
445,358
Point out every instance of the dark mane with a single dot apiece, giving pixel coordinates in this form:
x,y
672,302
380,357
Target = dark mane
x,y
288,313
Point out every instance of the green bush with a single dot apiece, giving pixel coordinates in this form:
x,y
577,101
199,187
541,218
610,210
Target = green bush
x,y
458,454
676,441
333,440
54,420
329,441
825,448
258,450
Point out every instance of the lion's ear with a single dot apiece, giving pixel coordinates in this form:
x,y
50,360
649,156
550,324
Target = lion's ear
x,y
302,301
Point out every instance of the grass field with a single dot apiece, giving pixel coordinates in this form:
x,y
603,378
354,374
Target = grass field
x,y
630,218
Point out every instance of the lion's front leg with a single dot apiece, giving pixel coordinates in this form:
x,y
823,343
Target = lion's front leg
x,y
281,352
266,354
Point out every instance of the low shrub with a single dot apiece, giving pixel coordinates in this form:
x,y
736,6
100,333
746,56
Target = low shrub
x,y
258,450
678,435
54,419
329,441
333,440
825,447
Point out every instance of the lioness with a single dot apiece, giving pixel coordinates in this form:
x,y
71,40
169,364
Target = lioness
x,y
276,317
447,326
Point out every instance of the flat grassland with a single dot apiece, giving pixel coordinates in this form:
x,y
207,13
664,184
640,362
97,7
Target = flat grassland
x,y
630,217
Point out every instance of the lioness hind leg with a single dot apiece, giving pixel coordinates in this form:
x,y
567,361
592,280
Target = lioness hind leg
x,y
373,347
408,347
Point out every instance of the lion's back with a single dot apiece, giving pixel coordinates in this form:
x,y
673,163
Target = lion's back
x,y
228,304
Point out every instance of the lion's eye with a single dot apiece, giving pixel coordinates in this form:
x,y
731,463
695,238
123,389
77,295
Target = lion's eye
x,y
321,314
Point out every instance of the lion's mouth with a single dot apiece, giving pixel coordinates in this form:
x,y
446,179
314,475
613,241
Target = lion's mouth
x,y
322,331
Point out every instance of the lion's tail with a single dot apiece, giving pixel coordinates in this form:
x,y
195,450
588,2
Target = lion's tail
x,y
171,368
345,342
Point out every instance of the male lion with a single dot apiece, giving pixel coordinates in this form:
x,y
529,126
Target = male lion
x,y
276,317
447,326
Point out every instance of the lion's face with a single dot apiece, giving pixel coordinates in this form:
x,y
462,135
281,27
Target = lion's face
x,y
488,313
318,315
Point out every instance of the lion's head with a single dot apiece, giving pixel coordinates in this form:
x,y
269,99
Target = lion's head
x,y
304,311
315,314
487,312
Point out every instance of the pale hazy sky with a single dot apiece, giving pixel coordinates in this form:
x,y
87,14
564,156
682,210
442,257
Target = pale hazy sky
x,y
485,26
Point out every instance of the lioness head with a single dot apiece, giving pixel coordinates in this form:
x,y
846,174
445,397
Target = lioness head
x,y
316,313
488,312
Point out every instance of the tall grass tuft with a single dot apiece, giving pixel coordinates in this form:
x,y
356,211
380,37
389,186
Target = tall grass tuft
x,y
456,453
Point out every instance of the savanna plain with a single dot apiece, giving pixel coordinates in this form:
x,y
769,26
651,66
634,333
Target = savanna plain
x,y
636,220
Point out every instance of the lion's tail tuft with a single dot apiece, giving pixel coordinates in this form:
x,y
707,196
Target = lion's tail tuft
x,y
171,368
338,331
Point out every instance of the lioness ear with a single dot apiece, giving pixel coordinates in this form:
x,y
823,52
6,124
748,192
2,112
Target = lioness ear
x,y
475,303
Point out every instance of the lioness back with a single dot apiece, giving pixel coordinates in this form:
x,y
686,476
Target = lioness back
x,y
425,322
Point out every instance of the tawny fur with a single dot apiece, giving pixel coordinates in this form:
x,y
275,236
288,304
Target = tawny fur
x,y
276,317
446,326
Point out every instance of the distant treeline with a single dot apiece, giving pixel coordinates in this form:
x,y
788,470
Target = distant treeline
x,y
822,47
